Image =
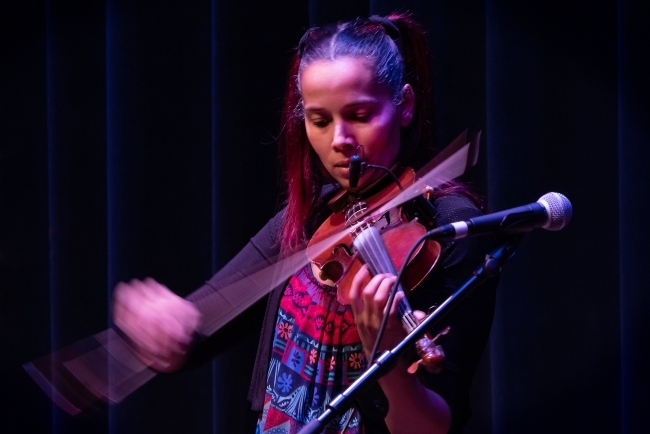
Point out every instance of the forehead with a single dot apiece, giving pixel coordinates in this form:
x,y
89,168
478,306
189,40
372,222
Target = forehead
x,y
346,77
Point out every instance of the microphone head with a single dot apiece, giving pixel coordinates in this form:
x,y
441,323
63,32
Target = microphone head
x,y
558,209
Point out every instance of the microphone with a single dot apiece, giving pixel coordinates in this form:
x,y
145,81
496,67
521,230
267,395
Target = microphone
x,y
354,170
551,211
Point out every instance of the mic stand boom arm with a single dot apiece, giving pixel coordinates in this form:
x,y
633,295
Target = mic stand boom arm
x,y
388,359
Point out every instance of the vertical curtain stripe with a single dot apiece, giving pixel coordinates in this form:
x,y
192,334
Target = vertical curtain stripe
x,y
634,191
214,109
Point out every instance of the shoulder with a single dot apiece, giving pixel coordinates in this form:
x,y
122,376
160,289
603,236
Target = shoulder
x,y
454,207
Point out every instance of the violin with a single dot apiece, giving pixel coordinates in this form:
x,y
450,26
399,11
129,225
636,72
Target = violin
x,y
380,238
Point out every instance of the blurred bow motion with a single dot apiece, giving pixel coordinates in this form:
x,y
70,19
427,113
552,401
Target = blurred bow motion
x,y
105,367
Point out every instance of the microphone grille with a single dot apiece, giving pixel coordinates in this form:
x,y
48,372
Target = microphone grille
x,y
559,210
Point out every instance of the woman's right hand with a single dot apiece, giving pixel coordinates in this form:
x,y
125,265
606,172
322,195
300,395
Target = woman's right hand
x,y
159,323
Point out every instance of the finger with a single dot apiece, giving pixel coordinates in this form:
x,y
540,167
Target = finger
x,y
161,307
127,302
144,317
375,294
157,289
396,301
384,289
124,292
184,311
153,327
151,290
419,315
356,300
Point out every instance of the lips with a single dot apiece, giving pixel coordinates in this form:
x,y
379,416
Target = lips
x,y
343,170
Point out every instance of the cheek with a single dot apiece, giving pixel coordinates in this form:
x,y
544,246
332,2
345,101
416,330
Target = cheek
x,y
384,140
320,140
315,141
311,136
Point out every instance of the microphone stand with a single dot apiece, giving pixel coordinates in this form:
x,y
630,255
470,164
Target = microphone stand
x,y
388,359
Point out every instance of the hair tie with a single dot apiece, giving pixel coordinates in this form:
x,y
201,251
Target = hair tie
x,y
390,28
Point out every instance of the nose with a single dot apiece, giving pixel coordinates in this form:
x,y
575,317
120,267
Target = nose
x,y
343,136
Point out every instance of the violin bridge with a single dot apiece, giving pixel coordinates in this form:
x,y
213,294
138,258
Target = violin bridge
x,y
355,212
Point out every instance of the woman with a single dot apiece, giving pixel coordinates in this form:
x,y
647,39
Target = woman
x,y
358,88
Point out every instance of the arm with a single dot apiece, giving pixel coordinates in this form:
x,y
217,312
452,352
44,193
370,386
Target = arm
x,y
412,407
161,325
260,252
434,398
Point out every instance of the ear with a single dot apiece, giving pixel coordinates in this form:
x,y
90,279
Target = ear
x,y
407,106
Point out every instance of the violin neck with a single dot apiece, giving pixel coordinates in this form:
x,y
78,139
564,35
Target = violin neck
x,y
371,247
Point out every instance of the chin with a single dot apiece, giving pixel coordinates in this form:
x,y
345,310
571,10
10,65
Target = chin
x,y
345,184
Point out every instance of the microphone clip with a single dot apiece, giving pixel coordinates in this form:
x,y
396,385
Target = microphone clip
x,y
356,169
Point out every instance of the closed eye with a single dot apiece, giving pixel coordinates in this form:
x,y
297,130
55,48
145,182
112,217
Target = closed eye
x,y
362,112
361,116
320,122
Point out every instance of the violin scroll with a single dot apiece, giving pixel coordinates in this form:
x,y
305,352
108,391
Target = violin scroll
x,y
432,356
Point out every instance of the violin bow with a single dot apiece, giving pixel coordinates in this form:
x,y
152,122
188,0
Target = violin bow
x,y
105,367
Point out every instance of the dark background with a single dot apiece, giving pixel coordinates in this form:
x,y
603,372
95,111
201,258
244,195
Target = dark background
x,y
137,139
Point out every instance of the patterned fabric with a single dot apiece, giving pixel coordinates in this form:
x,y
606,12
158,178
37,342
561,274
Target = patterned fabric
x,y
316,354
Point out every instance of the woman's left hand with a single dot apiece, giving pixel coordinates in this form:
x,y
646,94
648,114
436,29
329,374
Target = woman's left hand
x,y
368,306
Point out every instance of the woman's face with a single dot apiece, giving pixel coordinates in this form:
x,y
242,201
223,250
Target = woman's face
x,y
345,109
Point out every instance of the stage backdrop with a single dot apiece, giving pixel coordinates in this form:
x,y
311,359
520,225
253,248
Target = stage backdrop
x,y
137,138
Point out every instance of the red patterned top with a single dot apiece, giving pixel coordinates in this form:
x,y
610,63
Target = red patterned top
x,y
316,354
